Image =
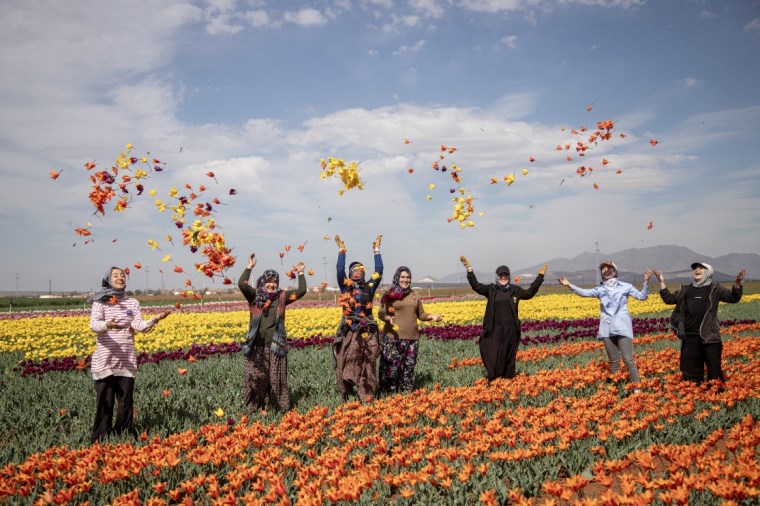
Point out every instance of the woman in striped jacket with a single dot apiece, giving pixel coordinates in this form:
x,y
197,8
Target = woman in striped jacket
x,y
115,318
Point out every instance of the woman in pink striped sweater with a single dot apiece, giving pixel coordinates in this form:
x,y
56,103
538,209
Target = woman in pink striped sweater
x,y
115,318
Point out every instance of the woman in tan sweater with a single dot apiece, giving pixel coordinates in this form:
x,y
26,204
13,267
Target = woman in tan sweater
x,y
400,308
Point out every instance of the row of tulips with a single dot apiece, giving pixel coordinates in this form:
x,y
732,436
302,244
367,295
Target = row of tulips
x,y
444,445
557,331
48,337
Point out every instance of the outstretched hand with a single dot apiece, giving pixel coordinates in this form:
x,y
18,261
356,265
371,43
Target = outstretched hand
x,y
647,274
659,275
252,260
376,244
340,243
542,270
739,278
563,281
464,261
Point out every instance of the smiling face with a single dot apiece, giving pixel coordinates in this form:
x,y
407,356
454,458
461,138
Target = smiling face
x,y
118,279
503,279
607,272
404,280
699,273
271,285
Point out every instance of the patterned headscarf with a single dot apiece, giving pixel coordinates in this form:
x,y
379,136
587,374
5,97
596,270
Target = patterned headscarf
x,y
108,291
264,298
358,268
395,291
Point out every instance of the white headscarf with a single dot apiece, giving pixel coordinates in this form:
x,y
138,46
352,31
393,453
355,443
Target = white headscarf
x,y
706,277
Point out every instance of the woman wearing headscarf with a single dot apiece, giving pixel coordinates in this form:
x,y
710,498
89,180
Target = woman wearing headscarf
x,y
357,342
400,308
695,320
615,324
265,350
115,318
501,323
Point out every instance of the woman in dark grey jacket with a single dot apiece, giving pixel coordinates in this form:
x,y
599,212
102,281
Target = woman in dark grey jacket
x,y
695,320
501,323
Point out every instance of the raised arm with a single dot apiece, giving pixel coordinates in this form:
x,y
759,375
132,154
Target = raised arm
x,y
244,285
341,265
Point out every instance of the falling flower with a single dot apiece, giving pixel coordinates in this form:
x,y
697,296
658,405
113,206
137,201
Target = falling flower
x,y
406,141
181,371
410,170
653,142
178,269
54,174
532,159
166,258
431,186
219,412
649,227
596,186
525,172
509,179
138,265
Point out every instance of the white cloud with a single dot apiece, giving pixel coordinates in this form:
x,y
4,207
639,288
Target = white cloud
x,y
306,17
396,23
705,14
427,8
689,82
414,48
494,6
753,26
258,18
221,25
509,41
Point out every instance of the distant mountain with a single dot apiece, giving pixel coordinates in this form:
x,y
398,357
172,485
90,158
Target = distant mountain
x,y
673,261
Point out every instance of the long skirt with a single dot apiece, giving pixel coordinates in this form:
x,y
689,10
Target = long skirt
x,y
398,358
499,352
265,374
355,363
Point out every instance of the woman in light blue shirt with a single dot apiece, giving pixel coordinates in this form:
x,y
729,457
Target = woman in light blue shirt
x,y
615,326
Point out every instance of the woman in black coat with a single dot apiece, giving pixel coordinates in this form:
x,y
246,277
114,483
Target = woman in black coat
x,y
501,323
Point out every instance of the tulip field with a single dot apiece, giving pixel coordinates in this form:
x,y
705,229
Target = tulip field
x,y
564,431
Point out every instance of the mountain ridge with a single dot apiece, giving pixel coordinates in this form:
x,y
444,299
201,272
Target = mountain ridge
x,y
674,261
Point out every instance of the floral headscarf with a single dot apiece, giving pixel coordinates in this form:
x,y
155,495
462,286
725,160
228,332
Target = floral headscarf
x,y
264,298
395,291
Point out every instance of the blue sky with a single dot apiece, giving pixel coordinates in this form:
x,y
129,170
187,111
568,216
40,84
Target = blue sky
x,y
258,92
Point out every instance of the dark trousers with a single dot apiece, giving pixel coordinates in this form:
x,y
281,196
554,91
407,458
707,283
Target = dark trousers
x,y
695,355
121,389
